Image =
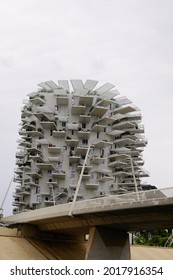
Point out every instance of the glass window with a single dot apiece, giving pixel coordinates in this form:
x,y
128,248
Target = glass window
x,y
73,173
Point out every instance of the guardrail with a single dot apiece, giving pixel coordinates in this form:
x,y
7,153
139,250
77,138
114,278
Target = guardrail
x,y
123,199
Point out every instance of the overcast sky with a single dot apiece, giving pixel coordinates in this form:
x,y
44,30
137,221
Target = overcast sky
x,y
128,43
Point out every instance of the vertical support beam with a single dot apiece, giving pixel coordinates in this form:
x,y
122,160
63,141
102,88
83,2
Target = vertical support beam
x,y
107,244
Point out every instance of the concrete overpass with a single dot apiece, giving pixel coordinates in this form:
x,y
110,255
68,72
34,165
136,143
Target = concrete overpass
x,y
106,220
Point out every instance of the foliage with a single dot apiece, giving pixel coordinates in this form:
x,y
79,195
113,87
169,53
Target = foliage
x,y
152,238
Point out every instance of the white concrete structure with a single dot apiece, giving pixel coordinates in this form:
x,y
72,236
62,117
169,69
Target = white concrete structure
x,y
77,142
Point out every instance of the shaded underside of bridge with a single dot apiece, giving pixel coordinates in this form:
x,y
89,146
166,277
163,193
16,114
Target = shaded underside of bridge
x,y
106,221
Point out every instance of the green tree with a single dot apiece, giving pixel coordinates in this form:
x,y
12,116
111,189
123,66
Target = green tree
x,y
152,238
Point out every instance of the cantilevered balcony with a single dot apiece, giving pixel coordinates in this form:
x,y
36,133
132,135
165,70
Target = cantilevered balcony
x,y
22,132
37,100
140,143
78,109
45,165
52,182
86,100
105,177
86,176
120,173
44,113
26,112
116,163
36,173
143,173
115,189
86,167
58,174
125,109
98,111
20,154
123,125
53,149
30,125
139,128
123,142
73,187
49,201
34,132
105,120
18,171
72,126
121,150
48,124
20,163
62,97
31,182
84,118
98,127
54,159
18,201
27,142
36,157
84,134
74,159
81,150
97,160
34,150
98,143
16,194
59,133
104,102
18,178
92,185
134,116
71,141
25,191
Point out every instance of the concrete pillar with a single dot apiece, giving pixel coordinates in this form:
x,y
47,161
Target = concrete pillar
x,y
107,244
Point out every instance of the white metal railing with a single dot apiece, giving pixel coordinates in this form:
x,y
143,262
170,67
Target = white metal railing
x,y
120,200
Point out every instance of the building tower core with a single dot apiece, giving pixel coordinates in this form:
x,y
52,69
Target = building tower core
x,y
77,136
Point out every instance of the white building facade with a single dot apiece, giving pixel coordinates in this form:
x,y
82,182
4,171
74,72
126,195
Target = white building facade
x,y
77,136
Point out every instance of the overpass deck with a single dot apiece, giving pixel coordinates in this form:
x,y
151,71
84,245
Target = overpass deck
x,y
131,211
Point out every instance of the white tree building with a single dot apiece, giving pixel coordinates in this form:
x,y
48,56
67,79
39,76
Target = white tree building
x,y
74,136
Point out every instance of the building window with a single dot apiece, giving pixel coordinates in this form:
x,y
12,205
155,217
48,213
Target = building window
x,y
56,108
83,125
72,174
37,189
63,124
84,141
38,199
36,181
102,153
59,165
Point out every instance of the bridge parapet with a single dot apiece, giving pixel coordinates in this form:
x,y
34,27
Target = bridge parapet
x,y
131,200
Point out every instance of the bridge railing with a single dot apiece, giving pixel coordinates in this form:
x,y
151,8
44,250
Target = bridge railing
x,y
121,200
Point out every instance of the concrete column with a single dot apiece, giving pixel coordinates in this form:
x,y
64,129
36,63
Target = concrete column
x,y
107,244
